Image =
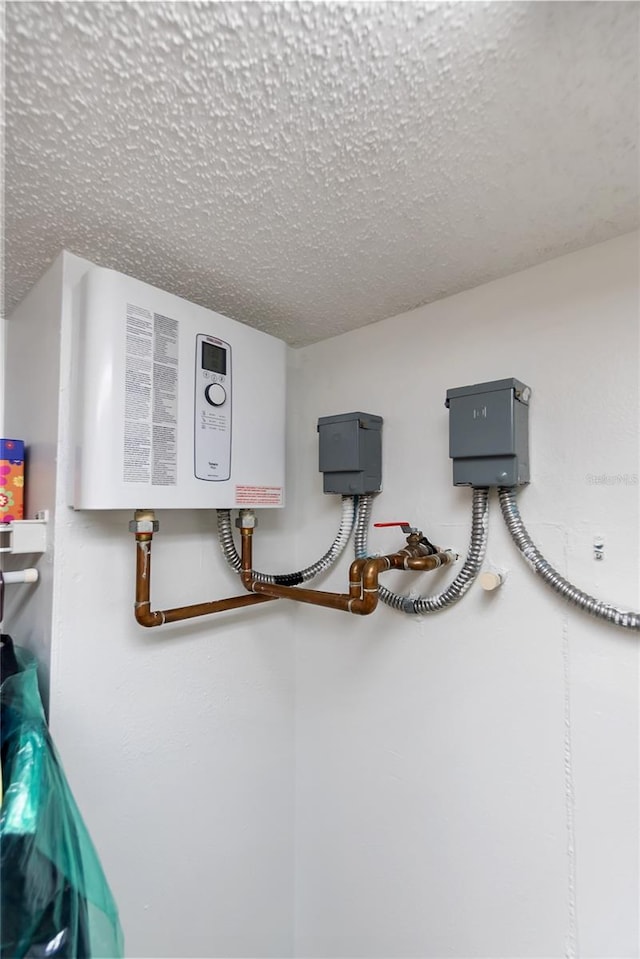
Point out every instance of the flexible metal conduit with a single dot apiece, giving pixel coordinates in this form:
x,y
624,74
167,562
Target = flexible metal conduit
x,y
225,535
464,579
544,569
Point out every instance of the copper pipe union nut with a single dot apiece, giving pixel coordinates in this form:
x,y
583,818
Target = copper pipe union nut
x,y
144,522
247,519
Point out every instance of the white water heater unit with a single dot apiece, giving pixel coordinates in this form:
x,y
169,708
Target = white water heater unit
x,y
174,406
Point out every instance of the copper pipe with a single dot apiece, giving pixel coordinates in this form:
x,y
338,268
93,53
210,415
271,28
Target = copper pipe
x,y
314,596
361,599
419,562
362,604
355,578
370,573
145,616
247,556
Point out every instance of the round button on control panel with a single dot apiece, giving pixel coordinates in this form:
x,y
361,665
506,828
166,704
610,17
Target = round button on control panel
x,y
215,394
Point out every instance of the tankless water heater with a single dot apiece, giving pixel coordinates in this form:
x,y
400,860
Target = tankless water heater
x,y
174,406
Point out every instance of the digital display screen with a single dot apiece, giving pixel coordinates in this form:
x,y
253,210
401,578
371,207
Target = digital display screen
x,y
214,358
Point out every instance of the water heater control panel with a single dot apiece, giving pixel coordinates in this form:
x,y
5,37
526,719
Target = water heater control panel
x,y
212,413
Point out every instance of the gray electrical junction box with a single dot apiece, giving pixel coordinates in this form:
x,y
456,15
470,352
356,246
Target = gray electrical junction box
x,y
489,433
351,453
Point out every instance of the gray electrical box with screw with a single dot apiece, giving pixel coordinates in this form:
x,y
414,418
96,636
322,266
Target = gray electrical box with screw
x,y
489,433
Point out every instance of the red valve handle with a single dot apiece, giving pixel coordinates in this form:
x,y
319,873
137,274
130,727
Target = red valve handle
x,y
391,524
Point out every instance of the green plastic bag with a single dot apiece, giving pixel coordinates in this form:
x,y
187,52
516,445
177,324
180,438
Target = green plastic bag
x,y
55,901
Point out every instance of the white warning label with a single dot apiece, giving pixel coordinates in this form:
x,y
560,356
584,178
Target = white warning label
x,y
258,496
151,398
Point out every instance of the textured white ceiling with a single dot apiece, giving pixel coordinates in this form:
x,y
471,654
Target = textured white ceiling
x,y
309,168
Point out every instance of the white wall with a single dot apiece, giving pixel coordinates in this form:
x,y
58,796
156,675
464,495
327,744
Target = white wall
x,y
178,743
467,782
